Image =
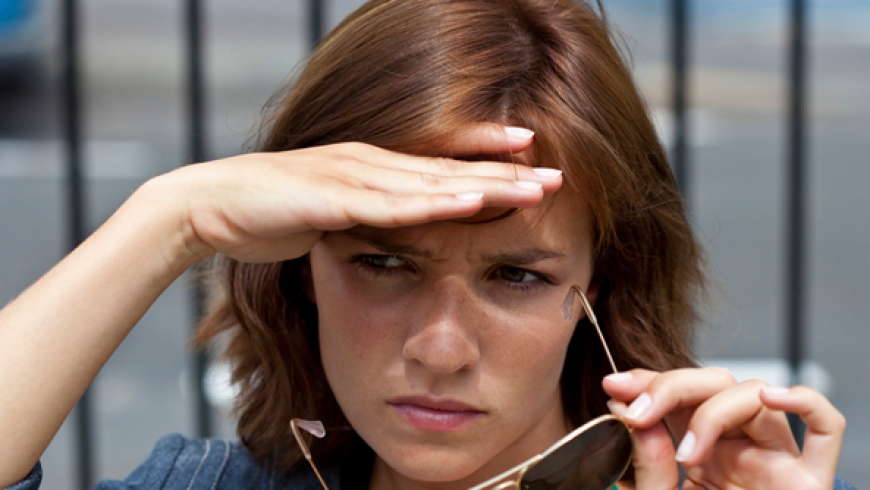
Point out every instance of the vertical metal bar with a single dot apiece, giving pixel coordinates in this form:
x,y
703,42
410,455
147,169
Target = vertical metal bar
x,y
679,89
316,21
76,216
196,143
796,202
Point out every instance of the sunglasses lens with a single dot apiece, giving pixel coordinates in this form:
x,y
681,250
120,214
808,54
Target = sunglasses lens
x,y
595,459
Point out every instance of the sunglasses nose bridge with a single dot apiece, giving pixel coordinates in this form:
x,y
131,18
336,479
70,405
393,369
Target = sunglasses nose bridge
x,y
529,465
508,484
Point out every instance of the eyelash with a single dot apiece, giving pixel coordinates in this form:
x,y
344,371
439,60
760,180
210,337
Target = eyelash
x,y
364,263
541,280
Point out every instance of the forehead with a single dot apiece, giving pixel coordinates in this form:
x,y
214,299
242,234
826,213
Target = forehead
x,y
560,227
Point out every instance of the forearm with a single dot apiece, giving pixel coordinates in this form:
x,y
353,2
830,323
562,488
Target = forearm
x,y
57,335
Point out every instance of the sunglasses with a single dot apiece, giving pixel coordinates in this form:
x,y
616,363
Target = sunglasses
x,y
593,457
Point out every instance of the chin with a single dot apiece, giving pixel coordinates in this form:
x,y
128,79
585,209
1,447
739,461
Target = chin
x,y
434,463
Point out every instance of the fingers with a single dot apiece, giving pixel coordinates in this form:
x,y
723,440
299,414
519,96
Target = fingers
x,y
386,210
701,406
264,196
654,464
707,409
359,157
360,166
497,191
652,395
487,139
825,426
735,413
653,454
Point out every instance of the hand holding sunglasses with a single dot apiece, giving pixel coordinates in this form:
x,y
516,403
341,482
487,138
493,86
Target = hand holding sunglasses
x,y
592,457
733,435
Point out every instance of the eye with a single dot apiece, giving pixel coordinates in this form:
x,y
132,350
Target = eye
x,y
381,265
515,274
385,261
519,279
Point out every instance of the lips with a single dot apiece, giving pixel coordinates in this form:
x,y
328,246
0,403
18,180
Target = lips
x,y
435,415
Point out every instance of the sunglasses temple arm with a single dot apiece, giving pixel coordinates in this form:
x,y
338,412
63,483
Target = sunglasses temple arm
x,y
316,472
306,452
516,469
594,321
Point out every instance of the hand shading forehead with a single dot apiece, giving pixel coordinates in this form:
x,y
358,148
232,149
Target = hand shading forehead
x,y
517,253
555,232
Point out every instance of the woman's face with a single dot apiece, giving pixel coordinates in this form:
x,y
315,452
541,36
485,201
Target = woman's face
x,y
444,343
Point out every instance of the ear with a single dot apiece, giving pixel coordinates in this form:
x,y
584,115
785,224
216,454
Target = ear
x,y
592,290
307,281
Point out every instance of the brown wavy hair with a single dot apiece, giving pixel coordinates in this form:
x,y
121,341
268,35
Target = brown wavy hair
x,y
405,74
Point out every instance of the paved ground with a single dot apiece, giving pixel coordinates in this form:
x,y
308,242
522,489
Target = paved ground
x,y
135,114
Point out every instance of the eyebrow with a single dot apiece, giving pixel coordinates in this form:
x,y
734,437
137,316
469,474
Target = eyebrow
x,y
525,257
387,246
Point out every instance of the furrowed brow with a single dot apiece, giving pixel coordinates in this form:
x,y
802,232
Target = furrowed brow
x,y
387,246
524,257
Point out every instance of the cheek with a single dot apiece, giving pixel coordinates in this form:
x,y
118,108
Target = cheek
x,y
355,344
357,338
532,360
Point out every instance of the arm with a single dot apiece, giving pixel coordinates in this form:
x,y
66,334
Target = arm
x,y
58,334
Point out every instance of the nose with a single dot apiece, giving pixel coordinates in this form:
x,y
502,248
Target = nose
x,y
442,336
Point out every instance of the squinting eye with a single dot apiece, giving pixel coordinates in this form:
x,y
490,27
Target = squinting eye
x,y
382,265
385,261
515,274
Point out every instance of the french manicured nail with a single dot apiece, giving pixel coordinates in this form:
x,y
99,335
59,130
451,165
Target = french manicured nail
x,y
686,447
638,406
533,186
551,173
519,133
619,377
470,196
775,390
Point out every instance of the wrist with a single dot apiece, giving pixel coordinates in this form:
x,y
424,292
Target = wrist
x,y
163,206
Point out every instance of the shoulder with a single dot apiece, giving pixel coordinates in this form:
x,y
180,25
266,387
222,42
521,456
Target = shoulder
x,y
205,464
841,484
179,462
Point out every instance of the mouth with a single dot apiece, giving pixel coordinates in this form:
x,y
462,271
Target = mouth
x,y
435,415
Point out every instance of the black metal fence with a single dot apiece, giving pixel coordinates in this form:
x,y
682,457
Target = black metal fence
x,y
794,348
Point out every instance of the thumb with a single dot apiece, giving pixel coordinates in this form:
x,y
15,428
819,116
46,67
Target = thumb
x,y
655,466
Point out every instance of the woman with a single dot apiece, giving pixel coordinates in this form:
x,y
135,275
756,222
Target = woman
x,y
395,257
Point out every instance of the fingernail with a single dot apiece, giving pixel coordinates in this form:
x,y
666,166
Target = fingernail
x,y
686,447
775,390
616,408
619,377
529,185
519,133
470,196
547,172
638,406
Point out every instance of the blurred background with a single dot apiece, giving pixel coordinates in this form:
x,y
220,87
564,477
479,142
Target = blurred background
x,y
134,126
